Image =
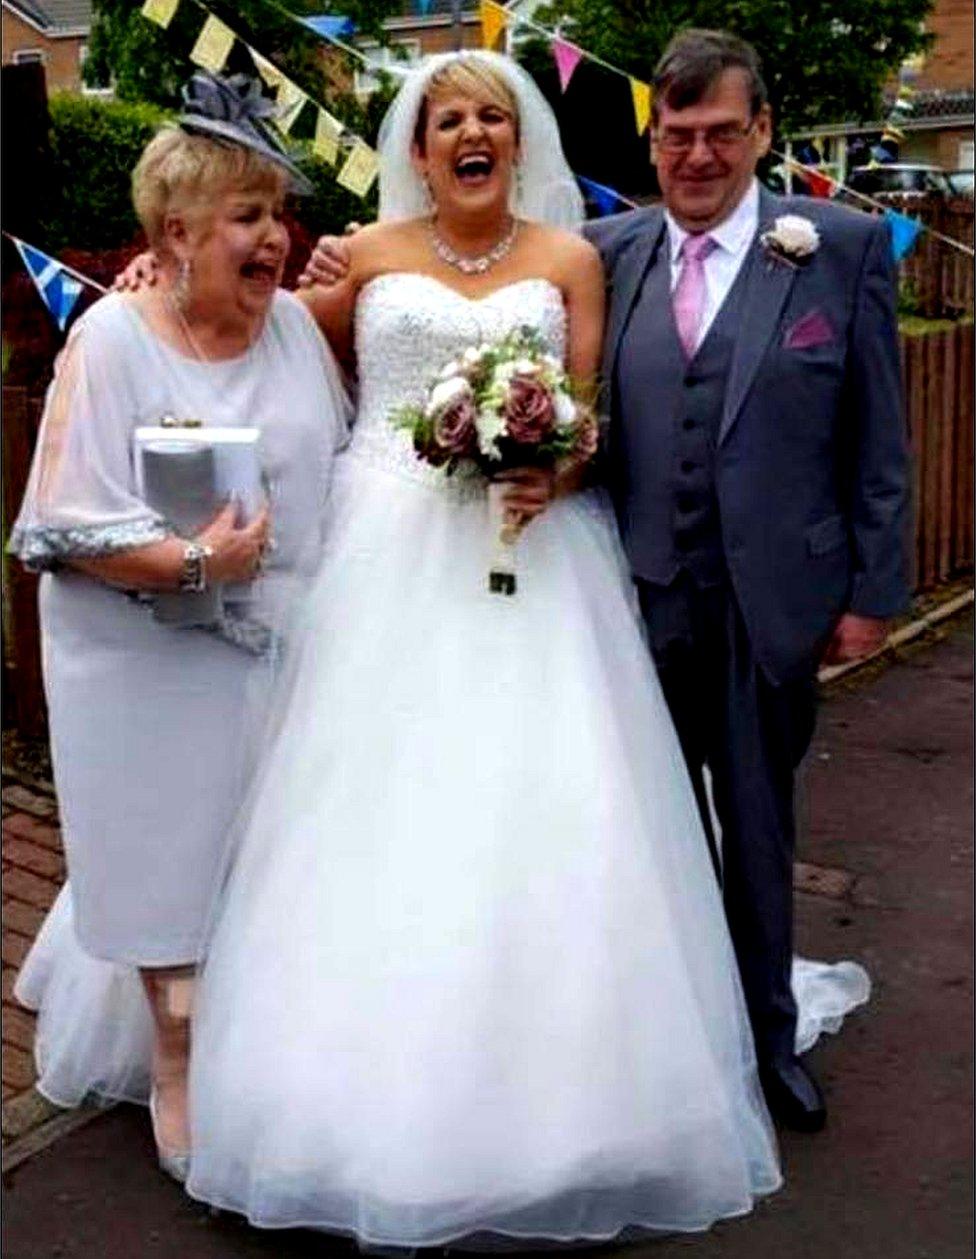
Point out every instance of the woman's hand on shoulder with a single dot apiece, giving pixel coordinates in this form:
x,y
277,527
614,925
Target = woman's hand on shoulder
x,y
330,260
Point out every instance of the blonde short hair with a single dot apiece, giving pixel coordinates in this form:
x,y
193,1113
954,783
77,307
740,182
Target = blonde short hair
x,y
186,173
467,76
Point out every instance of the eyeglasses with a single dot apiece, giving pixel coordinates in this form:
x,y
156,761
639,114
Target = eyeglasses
x,y
719,139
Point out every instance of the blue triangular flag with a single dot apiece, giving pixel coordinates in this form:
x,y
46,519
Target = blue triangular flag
x,y
331,26
605,199
904,232
424,7
58,290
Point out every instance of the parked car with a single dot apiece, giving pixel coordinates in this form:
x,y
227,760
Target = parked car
x,y
961,182
900,177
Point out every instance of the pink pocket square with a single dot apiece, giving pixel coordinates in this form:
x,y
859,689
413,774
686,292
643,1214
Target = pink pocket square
x,y
809,331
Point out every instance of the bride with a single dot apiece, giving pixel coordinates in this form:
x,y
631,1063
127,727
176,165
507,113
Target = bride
x,y
471,974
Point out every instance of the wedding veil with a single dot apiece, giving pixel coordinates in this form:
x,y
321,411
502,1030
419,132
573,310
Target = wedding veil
x,y
545,190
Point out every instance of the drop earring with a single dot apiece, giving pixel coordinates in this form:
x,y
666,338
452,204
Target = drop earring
x,y
181,288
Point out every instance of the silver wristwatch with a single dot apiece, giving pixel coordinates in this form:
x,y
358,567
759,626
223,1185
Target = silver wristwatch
x,y
193,572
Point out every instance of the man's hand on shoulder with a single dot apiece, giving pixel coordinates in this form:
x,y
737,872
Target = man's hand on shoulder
x,y
854,638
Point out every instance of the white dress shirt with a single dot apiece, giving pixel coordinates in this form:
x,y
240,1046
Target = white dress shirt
x,y
733,236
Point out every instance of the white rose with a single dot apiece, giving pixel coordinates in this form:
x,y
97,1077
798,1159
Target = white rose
x,y
471,357
565,409
795,235
445,395
524,367
450,371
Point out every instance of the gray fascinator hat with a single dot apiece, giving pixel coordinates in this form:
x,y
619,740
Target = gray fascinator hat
x,y
235,109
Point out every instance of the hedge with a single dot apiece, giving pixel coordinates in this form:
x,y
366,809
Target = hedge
x,y
94,146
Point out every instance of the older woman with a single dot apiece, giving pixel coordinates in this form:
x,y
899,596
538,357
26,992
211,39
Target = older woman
x,y
145,718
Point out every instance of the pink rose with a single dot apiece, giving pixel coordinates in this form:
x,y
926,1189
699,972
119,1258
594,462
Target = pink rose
x,y
454,426
529,412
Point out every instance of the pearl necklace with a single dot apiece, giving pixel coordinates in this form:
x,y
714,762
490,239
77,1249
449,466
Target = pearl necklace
x,y
466,264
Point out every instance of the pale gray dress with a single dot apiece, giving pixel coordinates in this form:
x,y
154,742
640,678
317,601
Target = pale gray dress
x,y
147,722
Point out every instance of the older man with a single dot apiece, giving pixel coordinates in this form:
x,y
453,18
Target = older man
x,y
758,461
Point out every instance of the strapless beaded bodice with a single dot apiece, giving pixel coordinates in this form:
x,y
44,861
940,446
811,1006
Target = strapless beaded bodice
x,y
408,327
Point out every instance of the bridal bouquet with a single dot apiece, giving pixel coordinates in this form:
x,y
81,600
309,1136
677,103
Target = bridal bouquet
x,y
498,406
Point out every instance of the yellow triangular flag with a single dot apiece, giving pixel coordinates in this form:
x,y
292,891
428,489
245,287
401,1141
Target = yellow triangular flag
x,y
641,93
213,45
327,133
493,19
161,12
359,170
270,73
291,102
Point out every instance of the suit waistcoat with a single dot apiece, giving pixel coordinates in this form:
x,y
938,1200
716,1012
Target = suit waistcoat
x,y
670,413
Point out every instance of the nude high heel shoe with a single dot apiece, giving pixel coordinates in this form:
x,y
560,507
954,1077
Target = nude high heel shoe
x,y
174,1163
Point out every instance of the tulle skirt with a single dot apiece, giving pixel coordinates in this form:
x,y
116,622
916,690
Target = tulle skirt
x,y
471,973
470,976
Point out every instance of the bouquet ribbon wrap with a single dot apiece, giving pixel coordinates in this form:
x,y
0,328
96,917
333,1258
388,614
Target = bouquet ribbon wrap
x,y
504,534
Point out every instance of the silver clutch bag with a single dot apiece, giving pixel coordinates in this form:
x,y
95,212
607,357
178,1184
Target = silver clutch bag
x,y
187,475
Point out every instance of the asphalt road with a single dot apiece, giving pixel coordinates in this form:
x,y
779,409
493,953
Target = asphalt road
x,y
890,834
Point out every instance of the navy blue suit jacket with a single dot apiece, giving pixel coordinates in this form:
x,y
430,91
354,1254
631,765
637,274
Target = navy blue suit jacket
x,y
811,465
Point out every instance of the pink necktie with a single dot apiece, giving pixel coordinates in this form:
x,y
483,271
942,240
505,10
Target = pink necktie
x,y
689,292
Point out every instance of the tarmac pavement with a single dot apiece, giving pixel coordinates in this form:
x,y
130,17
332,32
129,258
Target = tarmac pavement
x,y
886,878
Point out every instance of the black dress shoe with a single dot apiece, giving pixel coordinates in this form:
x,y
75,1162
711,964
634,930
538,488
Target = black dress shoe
x,y
793,1096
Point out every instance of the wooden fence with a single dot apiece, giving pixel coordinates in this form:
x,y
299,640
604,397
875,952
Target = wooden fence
x,y
937,369
936,277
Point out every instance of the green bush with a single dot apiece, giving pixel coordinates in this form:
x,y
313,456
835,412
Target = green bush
x,y
94,146
96,143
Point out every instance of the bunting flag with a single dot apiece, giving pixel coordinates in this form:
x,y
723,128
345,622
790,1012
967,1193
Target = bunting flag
x,y
329,26
359,170
820,185
493,20
161,12
904,232
328,131
641,93
291,102
424,7
567,57
605,199
59,291
268,71
213,45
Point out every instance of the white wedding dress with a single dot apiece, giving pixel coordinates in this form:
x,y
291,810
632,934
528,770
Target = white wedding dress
x,y
470,973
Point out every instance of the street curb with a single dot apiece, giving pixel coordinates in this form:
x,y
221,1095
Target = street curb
x,y
900,637
47,1132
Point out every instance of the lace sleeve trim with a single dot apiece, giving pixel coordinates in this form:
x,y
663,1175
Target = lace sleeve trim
x,y
46,547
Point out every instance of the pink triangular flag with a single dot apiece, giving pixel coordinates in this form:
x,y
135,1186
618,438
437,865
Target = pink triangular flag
x,y
568,57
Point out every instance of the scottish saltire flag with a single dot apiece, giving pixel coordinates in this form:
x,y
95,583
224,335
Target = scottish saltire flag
x,y
58,290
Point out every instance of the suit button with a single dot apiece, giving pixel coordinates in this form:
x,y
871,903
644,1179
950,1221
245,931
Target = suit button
x,y
686,503
688,425
687,466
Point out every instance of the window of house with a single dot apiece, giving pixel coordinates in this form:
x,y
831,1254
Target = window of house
x,y
25,56
379,57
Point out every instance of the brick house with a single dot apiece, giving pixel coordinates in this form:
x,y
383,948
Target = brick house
x,y
52,32
940,128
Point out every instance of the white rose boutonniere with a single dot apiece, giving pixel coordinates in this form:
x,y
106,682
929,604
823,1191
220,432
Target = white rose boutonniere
x,y
792,239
